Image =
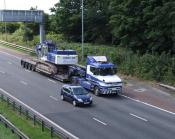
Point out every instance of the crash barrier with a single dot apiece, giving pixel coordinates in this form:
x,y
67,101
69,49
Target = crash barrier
x,y
14,130
30,113
17,46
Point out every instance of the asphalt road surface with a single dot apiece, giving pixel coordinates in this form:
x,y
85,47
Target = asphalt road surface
x,y
112,117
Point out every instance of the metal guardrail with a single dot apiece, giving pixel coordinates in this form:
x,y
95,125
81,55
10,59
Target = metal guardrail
x,y
15,130
17,46
30,113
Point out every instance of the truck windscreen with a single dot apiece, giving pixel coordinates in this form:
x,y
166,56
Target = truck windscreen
x,y
107,71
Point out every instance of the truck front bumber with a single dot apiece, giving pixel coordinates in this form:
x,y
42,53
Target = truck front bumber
x,y
111,90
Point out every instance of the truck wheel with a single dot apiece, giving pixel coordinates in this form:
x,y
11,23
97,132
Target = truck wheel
x,y
97,91
74,103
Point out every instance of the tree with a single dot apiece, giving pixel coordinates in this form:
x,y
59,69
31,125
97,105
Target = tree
x,y
67,19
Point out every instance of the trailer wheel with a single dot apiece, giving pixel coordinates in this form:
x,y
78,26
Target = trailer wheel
x,y
22,62
33,68
26,65
30,66
97,91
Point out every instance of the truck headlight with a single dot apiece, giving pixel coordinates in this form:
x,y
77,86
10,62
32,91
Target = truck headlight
x,y
90,98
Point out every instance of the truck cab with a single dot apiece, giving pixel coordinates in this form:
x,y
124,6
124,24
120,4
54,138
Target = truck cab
x,y
101,76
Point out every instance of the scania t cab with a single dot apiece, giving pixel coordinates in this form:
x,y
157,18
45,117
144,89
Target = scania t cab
x,y
99,76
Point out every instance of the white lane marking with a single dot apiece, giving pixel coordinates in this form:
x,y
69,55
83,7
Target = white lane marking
x,y
23,82
10,55
54,98
27,70
2,72
149,105
9,62
99,121
138,117
40,115
51,81
140,90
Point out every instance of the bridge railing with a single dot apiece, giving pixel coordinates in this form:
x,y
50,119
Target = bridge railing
x,y
36,117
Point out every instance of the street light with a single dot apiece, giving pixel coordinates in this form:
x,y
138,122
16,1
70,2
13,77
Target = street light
x,y
82,28
5,22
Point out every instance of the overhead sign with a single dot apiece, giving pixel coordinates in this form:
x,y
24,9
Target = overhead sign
x,y
22,16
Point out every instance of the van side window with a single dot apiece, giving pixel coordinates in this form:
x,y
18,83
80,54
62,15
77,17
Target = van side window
x,y
66,90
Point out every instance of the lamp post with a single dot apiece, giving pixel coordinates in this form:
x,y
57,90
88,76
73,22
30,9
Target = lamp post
x,y
82,28
5,22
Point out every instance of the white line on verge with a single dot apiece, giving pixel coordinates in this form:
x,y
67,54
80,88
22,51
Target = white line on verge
x,y
42,116
149,105
51,81
138,117
23,82
162,92
99,121
54,98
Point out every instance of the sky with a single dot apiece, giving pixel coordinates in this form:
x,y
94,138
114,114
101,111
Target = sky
x,y
27,4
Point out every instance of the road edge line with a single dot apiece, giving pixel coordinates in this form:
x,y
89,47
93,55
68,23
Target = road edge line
x,y
136,100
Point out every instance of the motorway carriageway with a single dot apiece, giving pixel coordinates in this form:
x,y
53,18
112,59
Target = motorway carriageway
x,y
108,118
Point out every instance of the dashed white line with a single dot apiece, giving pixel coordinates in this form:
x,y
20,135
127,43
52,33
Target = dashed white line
x,y
27,70
9,62
23,82
139,117
149,105
54,98
2,72
99,121
51,81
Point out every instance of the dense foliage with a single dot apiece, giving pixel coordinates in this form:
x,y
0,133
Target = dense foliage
x,y
144,25
141,32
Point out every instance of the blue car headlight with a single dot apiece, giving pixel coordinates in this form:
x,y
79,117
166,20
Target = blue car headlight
x,y
80,100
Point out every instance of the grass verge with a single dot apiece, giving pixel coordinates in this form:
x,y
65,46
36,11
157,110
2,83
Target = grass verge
x,y
5,133
26,126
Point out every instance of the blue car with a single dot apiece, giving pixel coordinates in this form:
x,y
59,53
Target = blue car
x,y
76,95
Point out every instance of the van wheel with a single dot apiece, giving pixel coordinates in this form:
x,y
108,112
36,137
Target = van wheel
x,y
62,97
97,91
74,103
